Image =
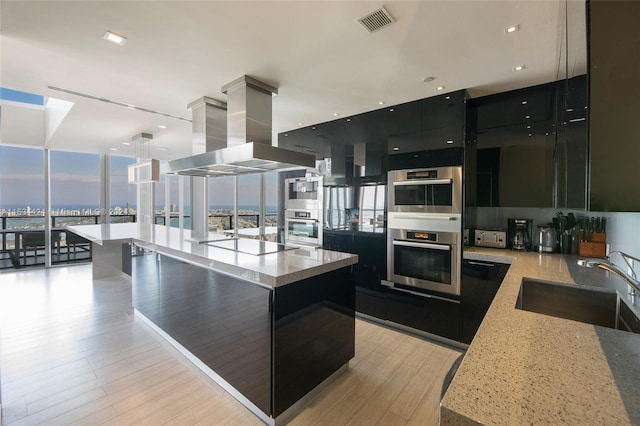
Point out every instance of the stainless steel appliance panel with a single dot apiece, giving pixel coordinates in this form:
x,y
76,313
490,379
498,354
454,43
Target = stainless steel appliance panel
x,y
428,260
444,222
432,190
304,193
303,227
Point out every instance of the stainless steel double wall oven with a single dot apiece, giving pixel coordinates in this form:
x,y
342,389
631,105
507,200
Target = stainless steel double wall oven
x,y
303,210
424,230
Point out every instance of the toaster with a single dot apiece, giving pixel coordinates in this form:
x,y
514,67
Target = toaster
x,y
494,238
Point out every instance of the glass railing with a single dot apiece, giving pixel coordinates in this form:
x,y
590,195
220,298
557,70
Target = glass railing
x,y
23,239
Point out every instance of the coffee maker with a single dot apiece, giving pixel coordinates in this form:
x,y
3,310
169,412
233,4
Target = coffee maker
x,y
519,234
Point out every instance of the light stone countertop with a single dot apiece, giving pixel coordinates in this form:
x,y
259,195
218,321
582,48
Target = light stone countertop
x,y
273,270
527,368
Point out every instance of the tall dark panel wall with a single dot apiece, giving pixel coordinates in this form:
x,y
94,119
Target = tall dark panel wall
x,y
614,99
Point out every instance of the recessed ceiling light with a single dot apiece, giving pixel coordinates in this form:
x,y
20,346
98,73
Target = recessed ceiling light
x,y
126,143
524,102
381,103
162,126
449,141
114,38
529,134
448,97
429,79
528,127
395,148
113,149
300,124
440,88
348,119
129,106
527,116
518,67
335,114
391,109
512,29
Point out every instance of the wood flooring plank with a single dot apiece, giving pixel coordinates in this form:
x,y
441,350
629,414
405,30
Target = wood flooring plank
x,y
90,361
391,419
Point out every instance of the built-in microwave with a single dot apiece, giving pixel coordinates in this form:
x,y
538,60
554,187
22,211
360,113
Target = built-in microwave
x,y
304,193
431,190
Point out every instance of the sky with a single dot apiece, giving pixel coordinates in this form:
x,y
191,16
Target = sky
x,y
75,181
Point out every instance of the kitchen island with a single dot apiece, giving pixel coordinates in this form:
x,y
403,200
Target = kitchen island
x,y
270,323
528,368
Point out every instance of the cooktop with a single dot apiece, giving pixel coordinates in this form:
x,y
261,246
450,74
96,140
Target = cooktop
x,y
250,246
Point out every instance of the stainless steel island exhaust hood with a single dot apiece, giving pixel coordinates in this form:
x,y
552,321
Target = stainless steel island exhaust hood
x,y
248,146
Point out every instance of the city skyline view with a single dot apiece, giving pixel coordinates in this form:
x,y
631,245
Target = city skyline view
x,y
75,183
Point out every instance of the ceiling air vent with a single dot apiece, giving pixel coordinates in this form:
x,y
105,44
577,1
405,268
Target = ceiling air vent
x,y
376,20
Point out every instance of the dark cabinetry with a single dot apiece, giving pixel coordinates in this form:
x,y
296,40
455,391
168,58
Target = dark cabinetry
x,y
424,133
614,105
479,284
370,269
433,315
514,143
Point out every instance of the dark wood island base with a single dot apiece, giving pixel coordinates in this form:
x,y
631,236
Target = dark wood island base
x,y
270,347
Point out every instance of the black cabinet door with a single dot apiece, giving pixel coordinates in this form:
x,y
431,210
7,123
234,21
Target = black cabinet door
x,y
443,120
516,147
435,316
479,284
369,271
292,140
614,106
316,140
405,128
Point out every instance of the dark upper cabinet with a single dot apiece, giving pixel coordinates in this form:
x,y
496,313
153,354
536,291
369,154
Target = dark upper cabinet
x,y
443,120
316,140
292,140
614,105
405,128
515,143
572,144
370,151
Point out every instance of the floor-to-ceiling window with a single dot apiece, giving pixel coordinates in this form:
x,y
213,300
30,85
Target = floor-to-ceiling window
x,y
75,200
221,203
248,201
271,199
21,203
122,194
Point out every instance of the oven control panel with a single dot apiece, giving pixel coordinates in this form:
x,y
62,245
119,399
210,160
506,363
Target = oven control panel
x,y
422,236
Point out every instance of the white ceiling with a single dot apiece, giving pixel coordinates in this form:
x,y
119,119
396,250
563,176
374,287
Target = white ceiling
x,y
320,58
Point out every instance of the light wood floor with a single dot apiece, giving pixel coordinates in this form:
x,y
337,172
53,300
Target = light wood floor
x,y
71,352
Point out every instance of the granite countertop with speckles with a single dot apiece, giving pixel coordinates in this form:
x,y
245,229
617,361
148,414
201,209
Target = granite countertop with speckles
x,y
527,368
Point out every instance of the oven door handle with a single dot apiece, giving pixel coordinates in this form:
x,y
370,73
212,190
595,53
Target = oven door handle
x,y
423,182
291,219
400,215
421,245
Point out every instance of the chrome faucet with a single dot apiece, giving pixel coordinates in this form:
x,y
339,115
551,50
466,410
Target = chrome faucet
x,y
606,264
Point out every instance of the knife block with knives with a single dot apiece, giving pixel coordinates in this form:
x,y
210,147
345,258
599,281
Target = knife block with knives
x,y
593,237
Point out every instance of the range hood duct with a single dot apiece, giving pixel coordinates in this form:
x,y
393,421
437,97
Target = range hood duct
x,y
248,146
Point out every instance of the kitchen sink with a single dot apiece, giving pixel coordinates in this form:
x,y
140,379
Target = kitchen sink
x,y
589,305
